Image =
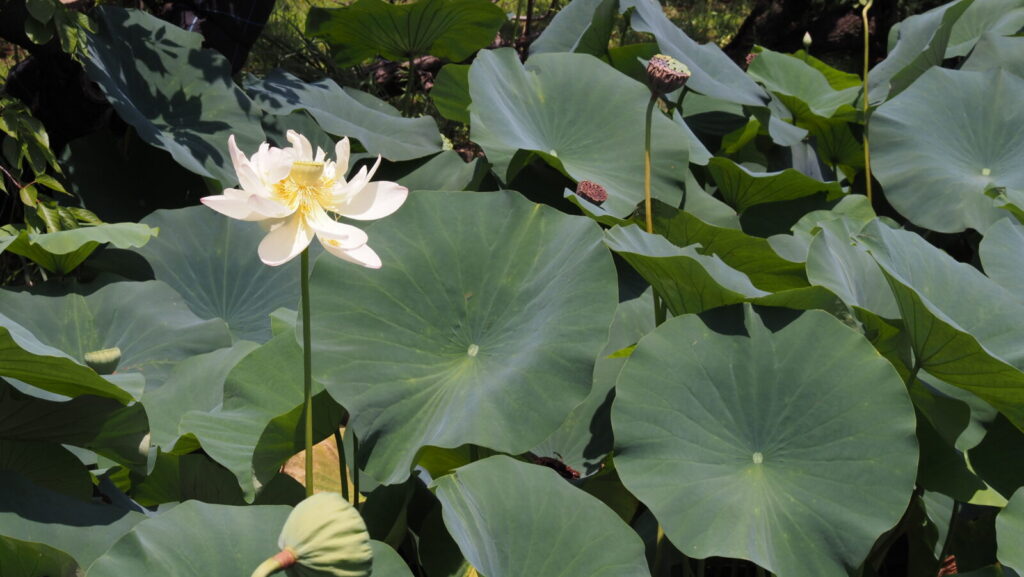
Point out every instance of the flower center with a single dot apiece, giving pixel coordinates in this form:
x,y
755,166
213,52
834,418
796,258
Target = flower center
x,y
304,188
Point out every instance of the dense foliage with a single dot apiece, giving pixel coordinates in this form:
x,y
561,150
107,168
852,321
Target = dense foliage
x,y
805,358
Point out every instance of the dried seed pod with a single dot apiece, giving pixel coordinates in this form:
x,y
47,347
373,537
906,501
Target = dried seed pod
x,y
666,74
592,191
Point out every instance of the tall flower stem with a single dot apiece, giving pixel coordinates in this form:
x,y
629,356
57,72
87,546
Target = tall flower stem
x,y
342,465
867,62
648,117
648,208
307,369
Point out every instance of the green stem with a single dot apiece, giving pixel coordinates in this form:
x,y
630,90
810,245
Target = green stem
x,y
307,369
342,465
867,62
700,567
409,87
759,571
355,471
474,453
268,567
648,216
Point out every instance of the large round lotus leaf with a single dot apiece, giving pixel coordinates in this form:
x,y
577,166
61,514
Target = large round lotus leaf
x,y
512,519
196,539
1002,256
938,146
451,29
577,113
176,95
482,327
793,449
211,261
1010,532
147,321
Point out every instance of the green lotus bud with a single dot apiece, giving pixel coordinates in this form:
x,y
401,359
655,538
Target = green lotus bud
x,y
324,536
103,361
666,74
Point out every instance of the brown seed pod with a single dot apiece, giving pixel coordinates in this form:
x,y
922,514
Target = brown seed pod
x,y
666,74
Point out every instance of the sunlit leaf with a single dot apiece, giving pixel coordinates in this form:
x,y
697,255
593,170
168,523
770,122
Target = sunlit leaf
x,y
581,26
1010,532
60,252
488,307
743,188
936,173
999,17
797,466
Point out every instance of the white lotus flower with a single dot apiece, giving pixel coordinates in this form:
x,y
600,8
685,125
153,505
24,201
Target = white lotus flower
x,y
296,194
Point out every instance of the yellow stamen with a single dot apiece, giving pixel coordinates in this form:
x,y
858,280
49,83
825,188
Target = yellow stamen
x,y
304,188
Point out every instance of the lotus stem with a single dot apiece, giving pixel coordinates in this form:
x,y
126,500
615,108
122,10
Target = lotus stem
x,y
867,62
282,560
342,464
307,368
648,118
355,471
948,543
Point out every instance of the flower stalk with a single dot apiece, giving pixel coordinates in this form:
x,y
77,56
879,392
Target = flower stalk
x,y
307,370
867,62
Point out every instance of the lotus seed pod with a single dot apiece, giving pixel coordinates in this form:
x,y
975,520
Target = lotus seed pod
x,y
327,537
103,361
666,74
592,191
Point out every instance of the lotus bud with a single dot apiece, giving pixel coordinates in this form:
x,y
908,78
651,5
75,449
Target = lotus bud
x,y
592,191
103,361
324,536
666,74
807,41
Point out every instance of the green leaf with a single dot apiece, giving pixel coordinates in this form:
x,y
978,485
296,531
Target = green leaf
x,y
922,44
998,17
98,424
450,29
750,255
195,384
211,261
387,562
783,74
50,182
82,530
41,10
525,108
47,465
964,328
545,526
797,466
147,321
29,359
840,265
177,478
62,251
585,437
994,51
1000,251
582,26
742,188
451,92
196,539
444,171
486,304
259,425
936,173
1010,532
346,112
177,96
713,73
24,559
687,280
